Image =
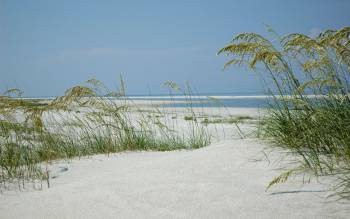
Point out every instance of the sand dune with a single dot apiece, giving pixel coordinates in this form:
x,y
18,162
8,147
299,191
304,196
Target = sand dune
x,y
218,181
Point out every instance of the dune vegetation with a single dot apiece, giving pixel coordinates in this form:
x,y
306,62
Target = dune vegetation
x,y
87,120
310,112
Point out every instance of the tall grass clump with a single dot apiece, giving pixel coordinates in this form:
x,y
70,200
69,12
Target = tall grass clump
x,y
88,119
309,116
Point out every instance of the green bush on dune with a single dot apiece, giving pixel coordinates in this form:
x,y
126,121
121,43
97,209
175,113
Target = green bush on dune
x,y
310,113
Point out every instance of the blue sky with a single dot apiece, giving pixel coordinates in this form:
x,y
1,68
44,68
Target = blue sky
x,y
47,46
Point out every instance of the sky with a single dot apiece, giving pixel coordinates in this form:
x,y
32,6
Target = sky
x,y
47,46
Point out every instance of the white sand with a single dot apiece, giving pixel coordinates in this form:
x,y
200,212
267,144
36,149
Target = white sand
x,y
218,181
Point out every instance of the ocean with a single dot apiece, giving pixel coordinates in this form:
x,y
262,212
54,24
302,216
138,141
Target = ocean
x,y
209,101
246,101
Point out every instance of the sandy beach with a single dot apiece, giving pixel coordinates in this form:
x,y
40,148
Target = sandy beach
x,y
174,109
226,179
218,181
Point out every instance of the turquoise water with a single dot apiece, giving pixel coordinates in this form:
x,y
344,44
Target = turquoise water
x,y
258,101
254,103
203,101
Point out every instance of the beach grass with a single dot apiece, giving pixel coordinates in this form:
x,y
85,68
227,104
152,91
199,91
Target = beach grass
x,y
228,120
310,112
87,120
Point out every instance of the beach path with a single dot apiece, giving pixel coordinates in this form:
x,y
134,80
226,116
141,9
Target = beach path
x,y
223,180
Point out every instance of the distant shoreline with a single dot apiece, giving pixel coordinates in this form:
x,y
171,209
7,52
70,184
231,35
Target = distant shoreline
x,y
249,101
219,97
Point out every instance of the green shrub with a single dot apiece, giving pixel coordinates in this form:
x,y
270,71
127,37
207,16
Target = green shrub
x,y
310,110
